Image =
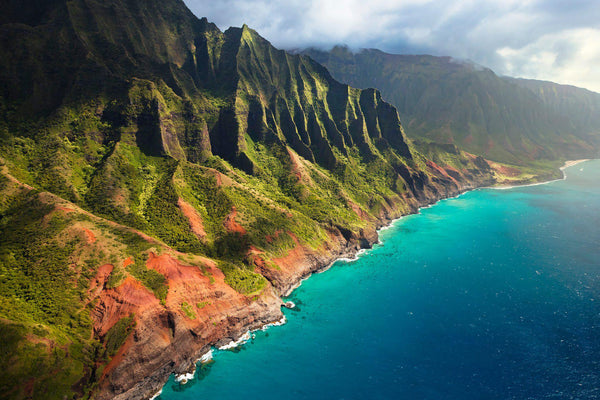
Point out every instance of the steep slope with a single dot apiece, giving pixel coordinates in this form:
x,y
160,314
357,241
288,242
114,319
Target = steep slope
x,y
163,183
580,108
450,101
84,298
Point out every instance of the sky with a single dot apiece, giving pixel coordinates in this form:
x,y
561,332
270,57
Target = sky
x,y
556,40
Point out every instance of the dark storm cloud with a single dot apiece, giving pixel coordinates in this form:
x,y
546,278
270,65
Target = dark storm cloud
x,y
546,39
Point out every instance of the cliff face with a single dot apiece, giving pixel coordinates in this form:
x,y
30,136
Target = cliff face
x,y
164,183
579,108
449,101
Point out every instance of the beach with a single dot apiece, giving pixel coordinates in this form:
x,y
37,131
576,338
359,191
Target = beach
x,y
570,163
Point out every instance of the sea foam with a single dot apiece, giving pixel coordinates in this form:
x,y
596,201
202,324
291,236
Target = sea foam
x,y
235,343
206,357
282,321
156,395
184,378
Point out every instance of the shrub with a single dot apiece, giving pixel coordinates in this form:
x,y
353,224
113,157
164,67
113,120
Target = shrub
x,y
117,334
188,310
153,280
243,280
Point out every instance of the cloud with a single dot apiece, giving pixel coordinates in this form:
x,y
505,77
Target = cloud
x,y
569,56
542,39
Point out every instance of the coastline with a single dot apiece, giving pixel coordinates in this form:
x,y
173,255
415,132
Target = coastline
x,y
567,164
353,254
350,253
391,269
570,163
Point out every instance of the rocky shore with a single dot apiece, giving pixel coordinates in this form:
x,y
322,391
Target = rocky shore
x,y
165,343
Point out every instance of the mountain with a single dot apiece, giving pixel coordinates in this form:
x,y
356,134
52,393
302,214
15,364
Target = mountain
x,y
509,120
580,107
164,183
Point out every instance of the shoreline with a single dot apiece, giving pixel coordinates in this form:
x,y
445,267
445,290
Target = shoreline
x,y
354,254
567,164
390,225
350,255
570,163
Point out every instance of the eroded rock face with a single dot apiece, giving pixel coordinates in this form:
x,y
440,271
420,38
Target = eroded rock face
x,y
166,339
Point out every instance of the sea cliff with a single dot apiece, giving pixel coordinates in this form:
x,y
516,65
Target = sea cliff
x,y
180,355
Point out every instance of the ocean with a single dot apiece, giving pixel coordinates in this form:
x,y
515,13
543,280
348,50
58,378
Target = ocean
x,y
491,295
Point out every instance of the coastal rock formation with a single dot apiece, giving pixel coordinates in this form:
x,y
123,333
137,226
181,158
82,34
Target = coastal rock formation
x,y
289,304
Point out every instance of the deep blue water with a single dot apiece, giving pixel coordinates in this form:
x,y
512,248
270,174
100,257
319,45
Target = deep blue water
x,y
492,295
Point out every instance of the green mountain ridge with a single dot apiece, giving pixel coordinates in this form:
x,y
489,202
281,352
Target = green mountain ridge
x,y
581,106
163,183
504,119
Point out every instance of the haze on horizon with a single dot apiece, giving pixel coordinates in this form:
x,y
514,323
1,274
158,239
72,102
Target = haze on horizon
x,y
539,39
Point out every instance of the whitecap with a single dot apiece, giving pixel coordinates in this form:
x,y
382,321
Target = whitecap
x,y
184,378
206,357
282,321
235,343
156,395
347,260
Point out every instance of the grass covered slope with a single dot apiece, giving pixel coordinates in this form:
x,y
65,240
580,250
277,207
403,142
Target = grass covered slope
x,y
49,255
80,295
163,182
526,123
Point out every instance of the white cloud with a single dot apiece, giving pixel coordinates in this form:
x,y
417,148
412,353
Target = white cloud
x,y
569,57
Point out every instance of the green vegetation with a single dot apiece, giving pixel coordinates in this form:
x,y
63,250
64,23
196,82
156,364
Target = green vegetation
x,y
133,241
266,147
166,220
116,336
30,366
188,310
514,121
202,304
242,279
115,278
44,326
34,266
201,190
153,280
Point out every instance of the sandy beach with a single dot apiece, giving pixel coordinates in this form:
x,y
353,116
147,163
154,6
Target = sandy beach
x,y
570,163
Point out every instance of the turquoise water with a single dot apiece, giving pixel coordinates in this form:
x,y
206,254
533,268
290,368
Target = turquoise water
x,y
492,295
